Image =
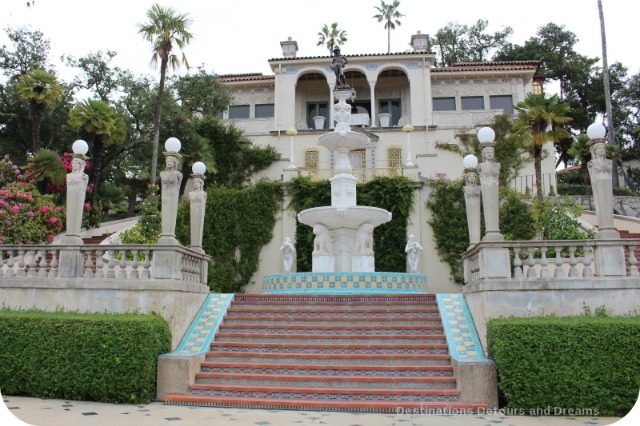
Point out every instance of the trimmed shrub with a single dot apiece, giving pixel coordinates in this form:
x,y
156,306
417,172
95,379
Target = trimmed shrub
x,y
568,363
90,357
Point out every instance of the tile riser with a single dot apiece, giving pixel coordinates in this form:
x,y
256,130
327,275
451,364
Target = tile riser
x,y
353,322
328,361
333,372
329,383
333,349
327,396
351,314
334,331
337,340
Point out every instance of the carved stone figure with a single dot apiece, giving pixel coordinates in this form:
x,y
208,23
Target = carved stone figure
x,y
77,165
413,249
337,65
287,250
364,240
322,243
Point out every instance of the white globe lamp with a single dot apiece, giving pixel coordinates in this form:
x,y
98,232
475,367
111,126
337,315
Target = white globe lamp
x,y
486,135
172,145
470,162
198,168
80,147
596,131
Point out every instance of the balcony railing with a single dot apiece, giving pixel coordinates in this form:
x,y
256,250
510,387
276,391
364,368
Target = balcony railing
x,y
561,260
118,262
363,174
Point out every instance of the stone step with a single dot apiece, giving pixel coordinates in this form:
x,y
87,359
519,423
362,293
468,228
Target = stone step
x,y
344,298
333,329
362,370
334,306
325,394
347,382
371,339
329,405
313,349
354,313
328,358
334,320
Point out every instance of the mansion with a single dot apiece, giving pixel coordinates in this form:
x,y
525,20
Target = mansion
x,y
401,101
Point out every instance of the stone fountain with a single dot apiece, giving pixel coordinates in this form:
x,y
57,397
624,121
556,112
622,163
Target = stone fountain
x,y
344,230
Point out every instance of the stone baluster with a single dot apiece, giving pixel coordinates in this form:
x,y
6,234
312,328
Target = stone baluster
x,y
99,264
31,255
20,272
10,264
111,264
573,270
531,263
517,264
122,272
146,265
88,264
133,275
42,263
633,269
53,266
544,262
559,272
587,272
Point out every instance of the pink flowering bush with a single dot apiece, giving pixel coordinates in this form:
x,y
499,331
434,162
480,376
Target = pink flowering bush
x,y
26,216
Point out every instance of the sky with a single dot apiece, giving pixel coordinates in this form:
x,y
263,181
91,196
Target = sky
x,y
240,36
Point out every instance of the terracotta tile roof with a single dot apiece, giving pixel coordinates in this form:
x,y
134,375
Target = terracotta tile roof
x,y
490,66
349,55
257,76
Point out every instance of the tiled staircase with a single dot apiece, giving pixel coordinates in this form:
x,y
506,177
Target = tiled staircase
x,y
329,352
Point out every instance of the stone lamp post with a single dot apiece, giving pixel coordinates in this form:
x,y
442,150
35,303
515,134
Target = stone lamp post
x,y
472,197
291,132
198,204
609,260
407,129
600,172
77,182
171,179
489,173
494,261
71,260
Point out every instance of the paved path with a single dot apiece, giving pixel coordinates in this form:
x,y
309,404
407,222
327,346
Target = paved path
x,y
54,412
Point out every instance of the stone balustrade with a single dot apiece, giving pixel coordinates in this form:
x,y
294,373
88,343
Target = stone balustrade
x,y
535,260
119,262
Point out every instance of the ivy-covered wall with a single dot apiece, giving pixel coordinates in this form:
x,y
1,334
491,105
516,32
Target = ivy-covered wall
x,y
238,223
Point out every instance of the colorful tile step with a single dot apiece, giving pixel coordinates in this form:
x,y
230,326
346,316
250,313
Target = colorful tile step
x,y
364,352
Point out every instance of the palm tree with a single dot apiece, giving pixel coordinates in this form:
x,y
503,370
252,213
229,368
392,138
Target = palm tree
x,y
388,13
540,118
331,37
39,89
165,29
101,126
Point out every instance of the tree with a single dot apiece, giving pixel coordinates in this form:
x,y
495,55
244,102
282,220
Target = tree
x,y
389,14
331,37
97,75
460,43
202,94
164,29
101,127
39,89
30,51
540,118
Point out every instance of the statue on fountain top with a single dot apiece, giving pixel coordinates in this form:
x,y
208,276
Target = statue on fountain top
x,y
337,65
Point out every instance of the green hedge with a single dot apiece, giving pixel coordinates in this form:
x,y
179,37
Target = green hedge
x,y
90,357
567,363
575,189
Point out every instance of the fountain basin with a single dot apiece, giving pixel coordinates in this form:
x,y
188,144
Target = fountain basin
x,y
348,217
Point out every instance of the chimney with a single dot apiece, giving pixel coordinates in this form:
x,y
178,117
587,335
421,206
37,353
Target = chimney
x,y
289,48
420,42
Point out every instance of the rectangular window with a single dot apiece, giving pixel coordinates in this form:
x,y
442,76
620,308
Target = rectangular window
x,y
264,110
504,102
315,109
238,111
444,104
472,102
391,106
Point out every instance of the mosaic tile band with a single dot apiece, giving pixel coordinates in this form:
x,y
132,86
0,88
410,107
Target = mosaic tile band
x,y
344,283
197,339
464,345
